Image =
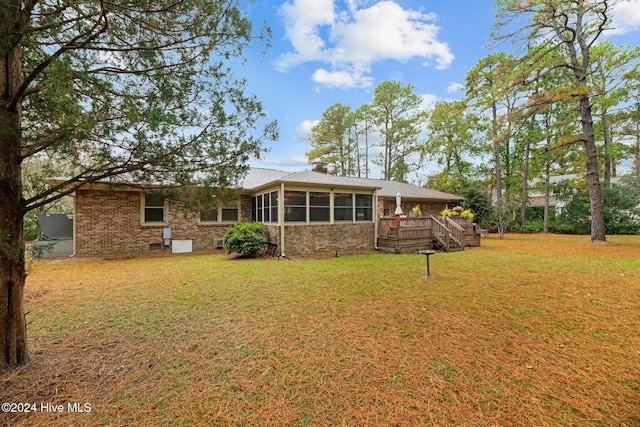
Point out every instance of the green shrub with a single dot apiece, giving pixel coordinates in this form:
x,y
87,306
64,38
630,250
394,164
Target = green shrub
x,y
620,205
30,226
557,225
247,238
533,226
478,203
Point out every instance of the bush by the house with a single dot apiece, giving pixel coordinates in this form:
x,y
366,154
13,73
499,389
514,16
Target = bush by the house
x,y
247,238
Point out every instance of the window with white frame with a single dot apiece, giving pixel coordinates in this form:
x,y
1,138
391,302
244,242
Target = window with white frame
x,y
295,206
319,206
364,207
264,207
230,213
274,206
154,210
226,213
342,207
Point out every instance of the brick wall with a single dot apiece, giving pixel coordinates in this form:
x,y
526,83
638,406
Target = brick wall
x,y
325,239
245,208
108,223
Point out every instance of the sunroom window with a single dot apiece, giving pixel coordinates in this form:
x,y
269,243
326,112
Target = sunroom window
x,y
364,207
343,207
295,206
265,207
319,207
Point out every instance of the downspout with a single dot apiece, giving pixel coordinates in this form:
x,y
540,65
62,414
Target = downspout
x,y
281,217
73,252
376,220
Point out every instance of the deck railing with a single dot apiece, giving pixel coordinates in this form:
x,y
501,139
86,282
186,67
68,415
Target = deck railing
x,y
405,228
415,231
440,232
456,231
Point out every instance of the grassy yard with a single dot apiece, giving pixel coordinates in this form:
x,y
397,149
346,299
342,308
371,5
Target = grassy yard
x,y
532,330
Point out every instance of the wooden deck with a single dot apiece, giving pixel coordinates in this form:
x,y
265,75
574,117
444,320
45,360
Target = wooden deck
x,y
405,235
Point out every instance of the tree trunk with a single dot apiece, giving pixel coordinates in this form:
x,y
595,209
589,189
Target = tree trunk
x,y
496,153
525,185
593,179
13,330
606,137
547,189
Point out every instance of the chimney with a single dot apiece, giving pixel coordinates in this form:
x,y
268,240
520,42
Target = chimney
x,y
319,167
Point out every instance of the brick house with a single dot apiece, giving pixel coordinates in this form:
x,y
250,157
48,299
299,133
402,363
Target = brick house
x,y
306,213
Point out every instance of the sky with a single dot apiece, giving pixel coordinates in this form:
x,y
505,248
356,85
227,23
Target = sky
x,y
329,51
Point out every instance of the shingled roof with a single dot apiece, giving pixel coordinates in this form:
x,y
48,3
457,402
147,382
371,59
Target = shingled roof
x,y
258,178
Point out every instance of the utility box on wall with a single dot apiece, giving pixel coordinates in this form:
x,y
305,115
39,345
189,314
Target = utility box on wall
x,y
181,246
166,237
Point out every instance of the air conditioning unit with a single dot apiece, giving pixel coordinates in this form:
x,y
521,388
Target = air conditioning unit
x,y
218,243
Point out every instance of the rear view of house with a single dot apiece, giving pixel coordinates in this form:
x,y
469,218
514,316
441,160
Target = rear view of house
x,y
306,213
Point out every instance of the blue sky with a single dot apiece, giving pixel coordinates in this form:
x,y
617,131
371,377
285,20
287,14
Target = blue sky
x,y
328,51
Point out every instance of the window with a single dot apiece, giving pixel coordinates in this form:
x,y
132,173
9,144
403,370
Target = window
x,y
154,209
295,206
209,215
265,207
319,207
229,213
221,214
274,206
364,207
343,207
259,208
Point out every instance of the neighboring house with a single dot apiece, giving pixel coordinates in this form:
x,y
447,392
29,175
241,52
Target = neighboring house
x,y
537,192
306,213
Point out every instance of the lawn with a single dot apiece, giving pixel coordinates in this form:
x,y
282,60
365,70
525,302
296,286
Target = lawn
x,y
532,330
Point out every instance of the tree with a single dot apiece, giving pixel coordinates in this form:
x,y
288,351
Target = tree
x,y
476,201
451,138
628,120
550,130
397,115
362,127
331,141
621,212
129,90
489,87
613,66
571,28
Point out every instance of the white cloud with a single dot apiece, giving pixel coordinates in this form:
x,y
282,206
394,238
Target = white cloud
x,y
303,131
303,21
351,40
626,17
428,101
343,78
454,87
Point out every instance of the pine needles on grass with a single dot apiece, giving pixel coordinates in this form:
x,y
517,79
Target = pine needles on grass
x,y
530,330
